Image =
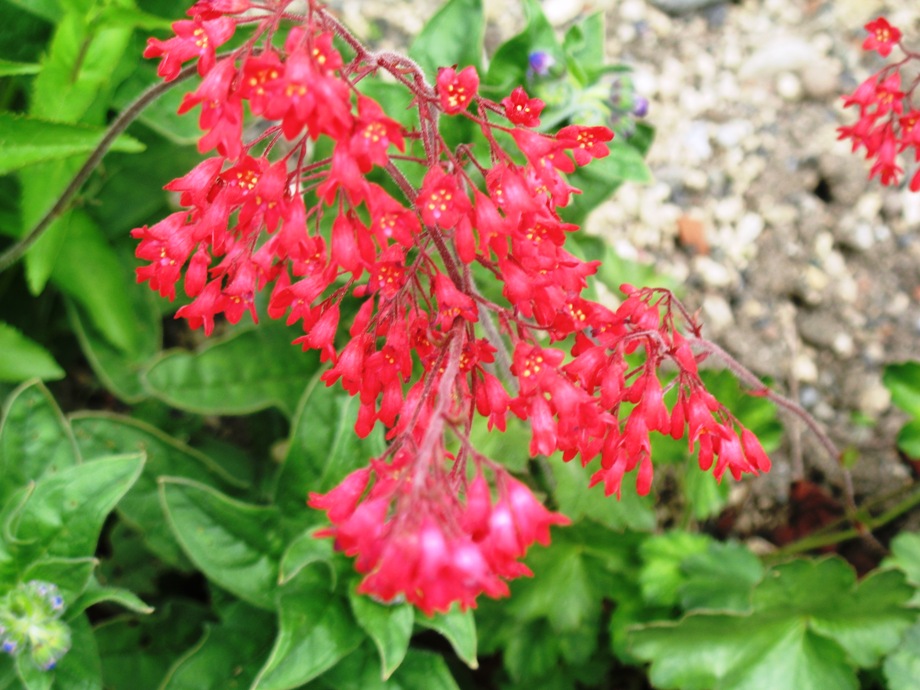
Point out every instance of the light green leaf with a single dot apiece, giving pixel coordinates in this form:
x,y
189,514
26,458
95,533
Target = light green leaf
x,y
102,433
26,140
233,543
578,502
306,550
660,576
35,440
97,594
453,36
903,380
161,115
508,67
323,449
810,624
902,667
905,555
457,627
720,579
24,359
120,370
389,626
71,575
598,180
909,438
249,370
316,631
64,514
91,272
9,68
80,668
228,654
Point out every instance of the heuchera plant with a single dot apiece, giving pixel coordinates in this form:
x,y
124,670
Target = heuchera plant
x,y
889,123
293,203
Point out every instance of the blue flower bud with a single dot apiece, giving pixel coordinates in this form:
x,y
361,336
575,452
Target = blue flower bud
x,y
540,62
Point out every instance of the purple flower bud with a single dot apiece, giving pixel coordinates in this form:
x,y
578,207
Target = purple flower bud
x,y
640,107
541,62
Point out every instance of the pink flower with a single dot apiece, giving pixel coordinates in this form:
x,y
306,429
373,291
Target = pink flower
x,y
456,89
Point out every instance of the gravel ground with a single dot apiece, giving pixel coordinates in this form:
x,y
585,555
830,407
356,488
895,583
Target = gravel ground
x,y
804,270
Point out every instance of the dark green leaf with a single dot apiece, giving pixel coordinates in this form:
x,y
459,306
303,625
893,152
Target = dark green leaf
x,y
26,141
389,626
249,370
316,631
46,9
35,440
360,670
137,651
323,450
24,358
598,180
453,36
101,433
227,656
80,669
233,543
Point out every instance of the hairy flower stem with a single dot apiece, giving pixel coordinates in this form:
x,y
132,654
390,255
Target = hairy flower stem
x,y
793,407
119,125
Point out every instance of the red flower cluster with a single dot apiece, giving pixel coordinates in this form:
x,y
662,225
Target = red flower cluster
x,y
888,124
425,351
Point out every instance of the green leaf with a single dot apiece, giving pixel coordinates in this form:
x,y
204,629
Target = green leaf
x,y
228,654
323,449
903,380
137,651
35,440
905,555
509,65
120,371
249,370
64,514
453,36
304,551
598,180
578,502
909,438
457,627
584,43
721,578
902,667
46,9
26,140
103,433
233,543
161,115
97,593
389,626
810,624
360,670
91,272
315,632
24,358
80,668
660,576
9,68
71,575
